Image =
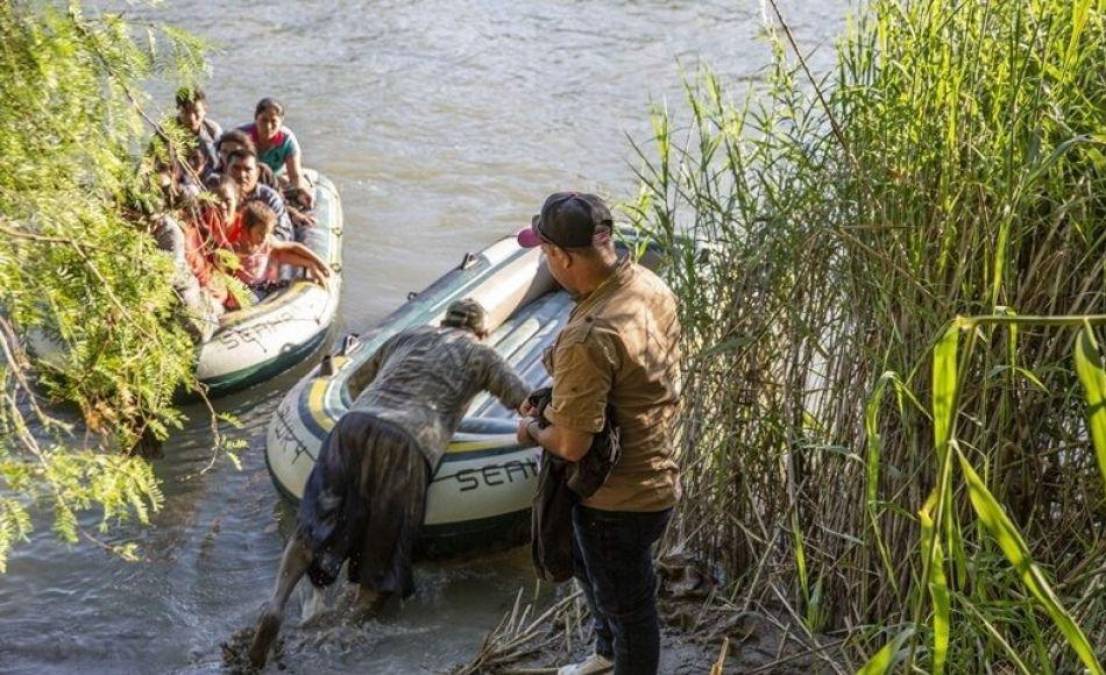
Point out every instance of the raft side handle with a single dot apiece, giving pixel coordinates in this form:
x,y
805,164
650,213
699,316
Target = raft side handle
x,y
468,261
326,367
348,343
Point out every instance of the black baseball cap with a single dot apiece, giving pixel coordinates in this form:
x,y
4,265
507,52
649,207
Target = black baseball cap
x,y
569,220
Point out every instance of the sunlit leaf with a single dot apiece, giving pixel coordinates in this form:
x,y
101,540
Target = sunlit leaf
x,y
1010,541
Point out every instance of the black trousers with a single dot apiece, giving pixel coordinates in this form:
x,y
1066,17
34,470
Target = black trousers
x,y
614,565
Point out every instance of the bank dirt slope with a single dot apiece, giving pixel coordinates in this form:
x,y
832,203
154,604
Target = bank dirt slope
x,y
703,630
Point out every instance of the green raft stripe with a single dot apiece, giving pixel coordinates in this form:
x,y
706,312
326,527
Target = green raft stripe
x,y
240,379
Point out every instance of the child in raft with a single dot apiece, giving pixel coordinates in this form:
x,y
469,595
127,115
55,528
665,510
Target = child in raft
x,y
260,255
218,219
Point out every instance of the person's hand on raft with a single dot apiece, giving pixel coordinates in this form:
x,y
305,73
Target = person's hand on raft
x,y
320,275
300,219
306,196
522,434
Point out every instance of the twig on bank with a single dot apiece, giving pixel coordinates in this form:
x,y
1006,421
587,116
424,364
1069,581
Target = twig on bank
x,y
783,643
16,232
815,651
19,362
818,647
31,236
768,551
213,425
514,639
720,664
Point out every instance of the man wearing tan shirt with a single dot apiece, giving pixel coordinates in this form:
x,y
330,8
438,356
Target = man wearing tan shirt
x,y
620,346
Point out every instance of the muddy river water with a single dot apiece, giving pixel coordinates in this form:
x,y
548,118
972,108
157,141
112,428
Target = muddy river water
x,y
444,125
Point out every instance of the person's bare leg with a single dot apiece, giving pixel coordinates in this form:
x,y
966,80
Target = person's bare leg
x,y
293,565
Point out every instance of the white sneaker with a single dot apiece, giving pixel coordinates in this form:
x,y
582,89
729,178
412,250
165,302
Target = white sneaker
x,y
591,666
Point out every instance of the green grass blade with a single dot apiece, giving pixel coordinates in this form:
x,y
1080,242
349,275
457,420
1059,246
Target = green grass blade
x,y
890,654
1001,248
937,508
1079,15
1088,365
1010,541
800,555
944,389
871,428
936,582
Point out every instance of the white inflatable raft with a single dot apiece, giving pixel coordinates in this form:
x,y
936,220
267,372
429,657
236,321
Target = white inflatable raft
x,y
482,490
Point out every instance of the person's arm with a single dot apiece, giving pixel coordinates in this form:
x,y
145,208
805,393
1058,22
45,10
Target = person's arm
x,y
501,380
584,373
299,218
296,254
568,444
170,238
293,163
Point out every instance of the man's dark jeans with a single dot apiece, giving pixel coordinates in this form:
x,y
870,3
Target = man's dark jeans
x,y
614,565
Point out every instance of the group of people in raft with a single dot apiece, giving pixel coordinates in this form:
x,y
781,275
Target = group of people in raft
x,y
235,204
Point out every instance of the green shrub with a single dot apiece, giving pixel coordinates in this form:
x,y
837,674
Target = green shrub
x,y
71,122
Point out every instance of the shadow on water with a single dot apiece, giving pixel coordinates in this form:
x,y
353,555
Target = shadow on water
x,y
443,126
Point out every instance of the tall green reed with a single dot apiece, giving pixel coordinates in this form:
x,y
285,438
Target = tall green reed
x,y
966,178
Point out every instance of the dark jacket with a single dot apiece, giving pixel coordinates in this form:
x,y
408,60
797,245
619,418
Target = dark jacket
x,y
561,485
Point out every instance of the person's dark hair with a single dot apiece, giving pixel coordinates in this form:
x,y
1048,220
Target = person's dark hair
x,y
466,314
236,136
197,158
256,212
217,181
223,181
266,104
168,166
190,96
241,155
